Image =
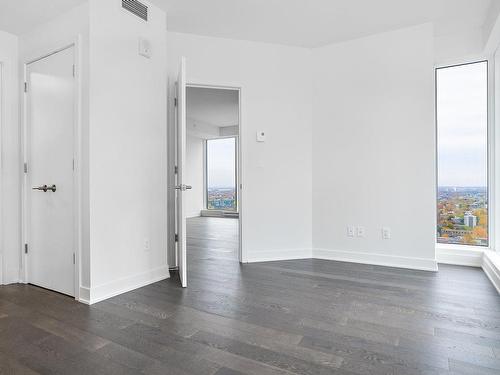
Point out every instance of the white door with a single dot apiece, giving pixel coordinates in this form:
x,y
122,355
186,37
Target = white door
x,y
181,186
49,151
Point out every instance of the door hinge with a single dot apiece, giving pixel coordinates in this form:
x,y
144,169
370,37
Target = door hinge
x,y
176,169
25,167
25,86
176,237
26,248
74,259
175,102
73,164
74,70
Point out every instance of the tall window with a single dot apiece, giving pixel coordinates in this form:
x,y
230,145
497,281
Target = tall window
x,y
221,174
462,131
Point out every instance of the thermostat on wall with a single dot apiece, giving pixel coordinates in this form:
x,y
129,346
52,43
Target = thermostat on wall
x,y
261,136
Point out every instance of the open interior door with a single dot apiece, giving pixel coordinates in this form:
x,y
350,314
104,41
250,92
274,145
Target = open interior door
x,y
181,186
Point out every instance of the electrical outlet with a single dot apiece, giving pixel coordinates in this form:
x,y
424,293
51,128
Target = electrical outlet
x,y
147,244
386,233
350,231
360,231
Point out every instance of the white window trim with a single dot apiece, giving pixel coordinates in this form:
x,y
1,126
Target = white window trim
x,y
469,254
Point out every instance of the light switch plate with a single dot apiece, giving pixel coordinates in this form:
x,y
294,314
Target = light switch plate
x,y
144,48
261,136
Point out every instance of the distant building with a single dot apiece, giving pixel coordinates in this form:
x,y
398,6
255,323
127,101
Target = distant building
x,y
470,220
455,232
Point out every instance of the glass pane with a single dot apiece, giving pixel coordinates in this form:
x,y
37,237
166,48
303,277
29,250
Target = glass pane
x,y
221,174
462,124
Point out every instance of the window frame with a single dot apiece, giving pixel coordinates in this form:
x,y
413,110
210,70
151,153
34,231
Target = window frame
x,y
205,174
490,158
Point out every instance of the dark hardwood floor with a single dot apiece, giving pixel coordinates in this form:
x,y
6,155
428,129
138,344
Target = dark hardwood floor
x,y
290,317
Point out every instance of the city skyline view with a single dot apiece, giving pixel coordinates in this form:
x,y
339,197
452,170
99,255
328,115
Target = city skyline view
x,y
462,215
221,174
221,199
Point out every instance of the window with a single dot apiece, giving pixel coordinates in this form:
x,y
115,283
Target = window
x,y
462,147
221,174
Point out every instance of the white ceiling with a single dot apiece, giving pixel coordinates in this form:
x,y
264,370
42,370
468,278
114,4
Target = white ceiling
x,y
213,106
312,23
307,23
21,16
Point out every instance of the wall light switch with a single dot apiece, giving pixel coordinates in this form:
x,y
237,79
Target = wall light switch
x,y
360,231
144,48
386,233
261,136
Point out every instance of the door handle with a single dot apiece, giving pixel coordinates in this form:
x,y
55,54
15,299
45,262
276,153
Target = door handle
x,y
183,187
44,188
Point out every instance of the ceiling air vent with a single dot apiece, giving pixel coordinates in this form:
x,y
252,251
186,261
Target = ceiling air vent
x,y
134,6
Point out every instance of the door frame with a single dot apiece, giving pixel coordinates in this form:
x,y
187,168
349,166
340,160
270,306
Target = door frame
x,y
239,157
2,122
74,43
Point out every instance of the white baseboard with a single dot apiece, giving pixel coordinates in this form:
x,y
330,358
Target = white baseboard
x,y
376,259
104,291
84,295
491,267
460,256
274,255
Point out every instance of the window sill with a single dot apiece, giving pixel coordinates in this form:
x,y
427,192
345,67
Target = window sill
x,y
491,266
454,247
219,213
461,255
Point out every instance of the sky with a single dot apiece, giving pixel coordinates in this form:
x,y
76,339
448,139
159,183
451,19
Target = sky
x,y
462,125
221,163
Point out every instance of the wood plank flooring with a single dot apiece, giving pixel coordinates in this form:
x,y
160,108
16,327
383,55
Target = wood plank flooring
x,y
278,318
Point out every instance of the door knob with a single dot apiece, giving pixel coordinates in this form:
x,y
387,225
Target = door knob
x,y
183,187
44,188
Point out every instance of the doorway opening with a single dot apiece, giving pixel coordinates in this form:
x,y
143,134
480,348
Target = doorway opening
x,y
213,171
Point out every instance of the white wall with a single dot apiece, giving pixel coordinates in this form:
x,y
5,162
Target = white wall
x,y
194,175
10,220
123,142
201,129
373,143
127,149
275,86
373,149
457,48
